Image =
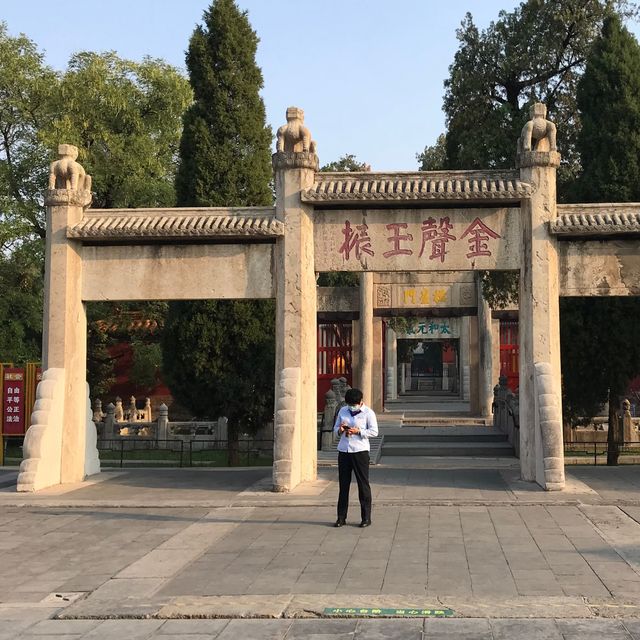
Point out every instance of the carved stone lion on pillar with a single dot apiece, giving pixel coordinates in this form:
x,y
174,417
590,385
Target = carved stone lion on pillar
x,y
294,136
537,130
66,173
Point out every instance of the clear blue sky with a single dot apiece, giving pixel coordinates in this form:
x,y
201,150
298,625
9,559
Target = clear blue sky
x,y
368,73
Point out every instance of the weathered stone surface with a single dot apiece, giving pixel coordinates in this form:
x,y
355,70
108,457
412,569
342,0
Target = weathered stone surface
x,y
416,240
294,136
439,186
539,308
41,466
597,219
197,223
178,272
599,268
66,173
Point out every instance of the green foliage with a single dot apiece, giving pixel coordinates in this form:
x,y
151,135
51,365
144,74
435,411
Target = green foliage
x,y
601,336
27,86
600,345
609,103
534,53
434,158
21,302
147,361
500,288
348,162
225,154
218,358
126,119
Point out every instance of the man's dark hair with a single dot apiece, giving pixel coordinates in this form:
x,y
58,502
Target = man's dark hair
x,y
353,396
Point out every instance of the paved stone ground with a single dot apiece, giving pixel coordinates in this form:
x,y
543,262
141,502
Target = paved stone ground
x,y
510,560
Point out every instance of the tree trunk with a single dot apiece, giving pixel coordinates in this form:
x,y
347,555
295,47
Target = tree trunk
x,y
613,435
233,445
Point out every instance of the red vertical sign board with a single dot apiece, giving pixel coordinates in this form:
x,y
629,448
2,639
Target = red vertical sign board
x,y
13,402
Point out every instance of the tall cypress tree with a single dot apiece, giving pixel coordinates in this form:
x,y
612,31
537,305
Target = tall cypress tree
x,y
609,103
218,355
601,336
225,155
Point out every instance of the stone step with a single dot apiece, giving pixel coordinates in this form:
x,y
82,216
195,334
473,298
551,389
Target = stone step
x,y
440,420
330,458
443,437
465,449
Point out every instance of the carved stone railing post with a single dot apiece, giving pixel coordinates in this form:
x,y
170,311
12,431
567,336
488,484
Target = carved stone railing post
x,y
330,405
163,426
109,431
541,446
118,410
132,414
295,164
98,414
65,325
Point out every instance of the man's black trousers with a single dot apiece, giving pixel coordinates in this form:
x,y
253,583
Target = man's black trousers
x,y
359,464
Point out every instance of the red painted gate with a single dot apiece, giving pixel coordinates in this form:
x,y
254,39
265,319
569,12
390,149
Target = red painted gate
x,y
334,356
509,350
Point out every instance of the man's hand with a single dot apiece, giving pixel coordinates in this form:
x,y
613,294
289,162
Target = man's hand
x,y
353,431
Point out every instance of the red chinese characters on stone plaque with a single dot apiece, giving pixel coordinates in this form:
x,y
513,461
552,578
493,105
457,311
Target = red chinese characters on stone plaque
x,y
478,233
13,402
437,236
396,238
355,240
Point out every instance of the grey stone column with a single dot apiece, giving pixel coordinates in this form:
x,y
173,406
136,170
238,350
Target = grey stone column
x,y
485,353
541,445
64,344
465,390
295,430
392,364
365,361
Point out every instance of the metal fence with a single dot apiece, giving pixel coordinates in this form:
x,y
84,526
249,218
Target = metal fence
x,y
130,452
143,452
597,451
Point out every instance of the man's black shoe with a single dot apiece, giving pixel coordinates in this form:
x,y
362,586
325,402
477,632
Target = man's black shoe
x,y
339,523
365,523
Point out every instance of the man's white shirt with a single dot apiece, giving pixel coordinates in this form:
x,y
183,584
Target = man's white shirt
x,y
365,420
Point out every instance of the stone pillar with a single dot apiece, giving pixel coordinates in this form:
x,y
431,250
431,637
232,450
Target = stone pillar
x,y
365,342
162,433
65,323
295,446
485,353
376,401
464,359
541,446
392,364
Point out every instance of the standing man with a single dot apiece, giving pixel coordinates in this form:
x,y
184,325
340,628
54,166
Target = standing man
x,y
355,423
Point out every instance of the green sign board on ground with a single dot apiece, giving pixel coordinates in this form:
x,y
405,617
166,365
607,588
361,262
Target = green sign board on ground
x,y
408,612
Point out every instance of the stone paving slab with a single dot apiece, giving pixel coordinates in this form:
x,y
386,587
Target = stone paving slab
x,y
435,481
346,629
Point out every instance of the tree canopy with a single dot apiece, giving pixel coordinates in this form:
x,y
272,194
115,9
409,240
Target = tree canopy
x,y
225,148
601,336
219,355
535,53
126,119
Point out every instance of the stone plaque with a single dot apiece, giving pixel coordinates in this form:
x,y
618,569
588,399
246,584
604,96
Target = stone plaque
x,y
433,329
417,239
